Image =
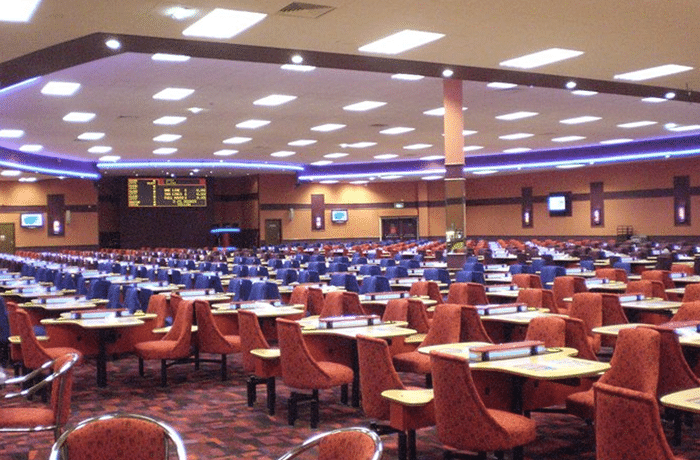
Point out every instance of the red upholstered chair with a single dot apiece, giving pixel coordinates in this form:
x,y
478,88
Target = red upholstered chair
x,y
565,287
612,314
549,329
628,425
34,354
692,292
354,443
396,310
444,329
418,316
211,340
463,421
174,346
41,418
158,305
682,268
659,275
688,311
120,436
588,307
300,371
650,288
426,288
341,303
577,337
471,329
527,280
634,365
459,294
310,297
613,274
259,371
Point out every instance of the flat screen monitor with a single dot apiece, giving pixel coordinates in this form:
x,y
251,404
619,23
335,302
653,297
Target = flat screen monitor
x,y
31,220
339,216
559,204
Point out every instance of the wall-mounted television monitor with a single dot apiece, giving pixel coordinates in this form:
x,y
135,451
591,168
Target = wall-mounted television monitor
x,y
31,220
559,204
339,216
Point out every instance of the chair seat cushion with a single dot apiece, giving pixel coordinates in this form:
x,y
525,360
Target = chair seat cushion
x,y
158,349
56,352
413,361
581,404
22,417
521,430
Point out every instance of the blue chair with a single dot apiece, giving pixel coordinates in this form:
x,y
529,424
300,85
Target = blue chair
x,y
238,260
239,270
251,261
187,281
516,269
387,262
163,275
144,297
221,267
114,296
437,274
286,275
290,263
175,276
335,267
369,270
587,265
308,276
274,263
317,258
151,274
240,288
215,283
409,263
190,264
536,265
81,285
4,333
396,271
99,289
141,272
472,259
116,268
204,266
264,290
318,267
341,260
473,266
131,299
375,283
66,281
359,260
549,272
258,270
626,266
302,258
469,276
201,281
345,280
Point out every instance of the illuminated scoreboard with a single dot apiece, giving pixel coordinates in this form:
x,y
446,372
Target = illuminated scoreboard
x,y
167,192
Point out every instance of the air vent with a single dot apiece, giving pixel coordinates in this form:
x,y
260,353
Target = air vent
x,y
305,10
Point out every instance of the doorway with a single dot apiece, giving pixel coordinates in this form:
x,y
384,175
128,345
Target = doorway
x,y
399,228
7,238
273,232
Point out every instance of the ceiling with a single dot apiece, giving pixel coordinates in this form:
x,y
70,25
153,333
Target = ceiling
x,y
65,41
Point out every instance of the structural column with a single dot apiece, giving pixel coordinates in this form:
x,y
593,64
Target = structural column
x,y
455,210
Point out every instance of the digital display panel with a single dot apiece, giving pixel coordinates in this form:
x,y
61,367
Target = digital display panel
x,y
339,216
167,192
32,220
559,204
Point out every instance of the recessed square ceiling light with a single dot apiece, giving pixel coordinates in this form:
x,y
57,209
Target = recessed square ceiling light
x,y
10,173
516,115
167,137
653,72
432,157
322,163
431,177
636,124
579,120
654,100
170,57
298,67
681,128
328,181
400,42
616,141
302,142
335,155
283,153
468,132
391,177
438,112
568,138
327,127
195,110
515,136
79,117
237,140
100,149
517,150
397,130
252,124
11,133
385,156
60,88
91,136
31,148
359,182
417,146
17,10
165,150
407,77
274,99
471,148
169,120
109,158
484,172
583,92
223,24
363,106
358,145
173,94
501,85
540,58
180,13
225,152
27,179
570,166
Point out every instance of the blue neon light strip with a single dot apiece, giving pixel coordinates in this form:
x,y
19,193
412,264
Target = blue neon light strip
x,y
50,171
199,164
215,231
7,89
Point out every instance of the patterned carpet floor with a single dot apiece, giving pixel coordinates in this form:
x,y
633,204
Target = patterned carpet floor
x,y
214,420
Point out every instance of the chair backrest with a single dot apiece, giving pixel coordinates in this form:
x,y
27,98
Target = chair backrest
x,y
659,275
240,270
375,283
426,288
286,275
688,311
120,436
674,372
613,274
252,337
628,425
209,338
635,361
318,267
61,381
299,368
158,304
33,353
345,280
531,297
469,276
308,276
396,310
131,299
417,316
99,289
650,288
4,322
240,287
577,337
356,443
445,326
264,290
437,274
692,292
181,330
473,266
588,306
549,273
396,271
549,329
377,374
471,329
626,266
341,303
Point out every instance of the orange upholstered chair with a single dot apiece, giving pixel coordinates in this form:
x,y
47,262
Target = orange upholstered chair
x,y
300,371
634,365
341,303
211,340
174,346
120,436
42,418
612,314
396,310
259,371
682,268
471,329
377,374
444,329
463,421
628,425
688,311
577,337
549,329
588,307
613,274
410,310
426,288
659,275
527,280
565,287
34,354
538,298
354,443
650,288
310,297
692,292
158,305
